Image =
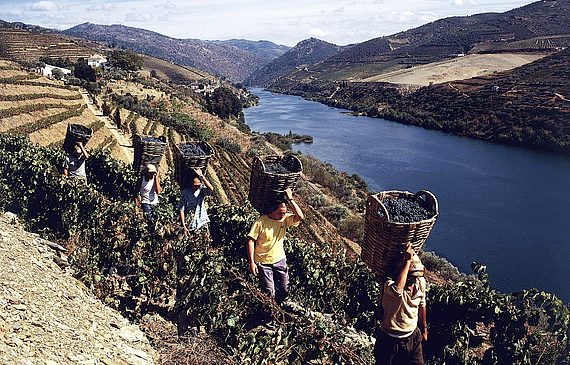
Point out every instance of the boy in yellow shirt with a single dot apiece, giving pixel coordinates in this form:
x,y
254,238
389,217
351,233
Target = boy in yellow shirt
x,y
265,248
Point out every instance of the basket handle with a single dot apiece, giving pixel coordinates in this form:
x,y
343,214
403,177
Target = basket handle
x,y
429,199
257,163
373,204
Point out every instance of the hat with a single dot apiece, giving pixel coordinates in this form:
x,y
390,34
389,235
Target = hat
x,y
150,168
416,268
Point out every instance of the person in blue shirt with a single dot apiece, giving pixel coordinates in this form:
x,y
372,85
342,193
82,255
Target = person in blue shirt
x,y
191,206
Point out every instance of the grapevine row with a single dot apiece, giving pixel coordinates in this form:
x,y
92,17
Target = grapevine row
x,y
22,97
47,121
23,109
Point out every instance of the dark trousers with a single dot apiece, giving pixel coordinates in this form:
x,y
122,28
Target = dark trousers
x,y
274,279
399,351
147,210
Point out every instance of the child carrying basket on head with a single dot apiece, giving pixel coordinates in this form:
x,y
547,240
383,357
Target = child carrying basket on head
x,y
148,187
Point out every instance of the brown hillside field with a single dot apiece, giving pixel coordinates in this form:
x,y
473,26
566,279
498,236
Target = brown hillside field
x,y
123,87
11,89
459,68
56,132
10,73
167,70
17,103
21,119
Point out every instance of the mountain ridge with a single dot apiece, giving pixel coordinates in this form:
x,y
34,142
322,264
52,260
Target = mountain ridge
x,y
218,59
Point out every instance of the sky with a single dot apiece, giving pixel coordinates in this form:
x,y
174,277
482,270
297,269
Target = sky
x,y
285,22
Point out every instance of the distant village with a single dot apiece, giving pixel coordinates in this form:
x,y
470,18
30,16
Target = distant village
x,y
99,60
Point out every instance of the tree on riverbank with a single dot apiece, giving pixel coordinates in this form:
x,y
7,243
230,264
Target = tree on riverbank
x,y
525,107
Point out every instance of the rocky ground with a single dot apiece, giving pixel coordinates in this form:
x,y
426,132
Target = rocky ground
x,y
47,317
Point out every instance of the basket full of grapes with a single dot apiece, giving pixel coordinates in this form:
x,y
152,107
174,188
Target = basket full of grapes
x,y
270,177
395,219
188,155
76,133
148,150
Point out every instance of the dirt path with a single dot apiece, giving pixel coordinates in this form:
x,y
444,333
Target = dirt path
x,y
124,143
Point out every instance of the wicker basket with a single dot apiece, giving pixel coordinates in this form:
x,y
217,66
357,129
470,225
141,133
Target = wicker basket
x,y
76,133
184,163
147,152
266,188
384,241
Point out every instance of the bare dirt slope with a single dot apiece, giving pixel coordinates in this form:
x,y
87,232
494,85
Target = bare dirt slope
x,y
48,317
459,68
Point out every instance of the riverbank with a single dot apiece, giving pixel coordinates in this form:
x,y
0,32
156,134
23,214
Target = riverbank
x,y
525,107
485,190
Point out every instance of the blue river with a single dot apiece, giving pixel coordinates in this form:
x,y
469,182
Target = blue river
x,y
506,207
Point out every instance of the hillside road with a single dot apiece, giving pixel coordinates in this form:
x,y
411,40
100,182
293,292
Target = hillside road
x,y
124,143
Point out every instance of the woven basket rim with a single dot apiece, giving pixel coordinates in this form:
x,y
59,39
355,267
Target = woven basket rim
x,y
279,157
140,137
81,127
210,151
423,222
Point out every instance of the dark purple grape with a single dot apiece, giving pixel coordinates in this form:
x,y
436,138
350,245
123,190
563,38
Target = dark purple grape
x,y
405,210
276,168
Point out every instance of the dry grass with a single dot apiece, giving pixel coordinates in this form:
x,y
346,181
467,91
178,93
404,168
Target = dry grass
x,y
124,87
13,104
56,132
4,74
21,119
174,350
10,89
455,69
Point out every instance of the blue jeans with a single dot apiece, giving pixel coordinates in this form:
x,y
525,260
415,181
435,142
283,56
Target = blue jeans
x,y
274,279
147,210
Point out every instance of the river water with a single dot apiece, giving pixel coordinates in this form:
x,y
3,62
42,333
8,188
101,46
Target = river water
x,y
505,207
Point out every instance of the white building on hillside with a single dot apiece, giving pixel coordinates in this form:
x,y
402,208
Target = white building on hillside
x,y
97,60
48,69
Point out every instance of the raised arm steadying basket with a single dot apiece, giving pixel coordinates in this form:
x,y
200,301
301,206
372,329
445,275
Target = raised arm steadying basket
x,y
266,187
384,240
148,150
76,133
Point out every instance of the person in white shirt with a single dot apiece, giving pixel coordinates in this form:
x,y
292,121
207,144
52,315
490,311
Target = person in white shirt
x,y
74,164
148,187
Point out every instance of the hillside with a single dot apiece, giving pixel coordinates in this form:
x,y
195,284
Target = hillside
x,y
307,52
266,50
168,71
217,59
540,27
20,42
330,314
527,106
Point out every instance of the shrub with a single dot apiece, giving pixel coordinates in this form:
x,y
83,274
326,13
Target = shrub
x,y
335,213
229,145
352,228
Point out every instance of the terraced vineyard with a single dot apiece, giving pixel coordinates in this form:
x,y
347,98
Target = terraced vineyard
x,y
22,44
38,107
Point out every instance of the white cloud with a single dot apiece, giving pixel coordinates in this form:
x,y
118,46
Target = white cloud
x,y
316,32
138,17
167,5
44,6
105,7
464,2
